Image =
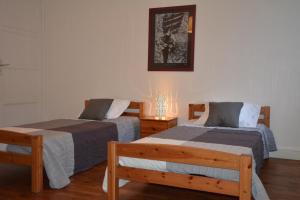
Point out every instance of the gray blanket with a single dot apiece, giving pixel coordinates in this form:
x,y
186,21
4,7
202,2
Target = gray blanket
x,y
70,146
128,128
266,134
237,137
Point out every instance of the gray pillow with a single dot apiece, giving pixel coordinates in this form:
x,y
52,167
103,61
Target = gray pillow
x,y
96,109
224,114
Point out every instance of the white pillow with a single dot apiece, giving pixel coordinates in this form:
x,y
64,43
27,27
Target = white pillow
x,y
249,115
202,120
117,107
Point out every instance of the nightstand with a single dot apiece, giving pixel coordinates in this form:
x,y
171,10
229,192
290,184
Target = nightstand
x,y
151,125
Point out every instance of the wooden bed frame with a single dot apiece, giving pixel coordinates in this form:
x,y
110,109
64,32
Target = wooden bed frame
x,y
179,154
35,159
134,105
186,155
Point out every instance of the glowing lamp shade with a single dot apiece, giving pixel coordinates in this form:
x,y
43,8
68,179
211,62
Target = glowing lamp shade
x,y
161,107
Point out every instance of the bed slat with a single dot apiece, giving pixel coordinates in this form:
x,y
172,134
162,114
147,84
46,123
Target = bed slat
x,y
180,154
179,180
15,158
10,137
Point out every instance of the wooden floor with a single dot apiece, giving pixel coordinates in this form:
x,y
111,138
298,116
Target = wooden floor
x,y
280,177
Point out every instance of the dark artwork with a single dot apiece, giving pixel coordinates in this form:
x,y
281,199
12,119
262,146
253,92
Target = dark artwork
x,y
171,39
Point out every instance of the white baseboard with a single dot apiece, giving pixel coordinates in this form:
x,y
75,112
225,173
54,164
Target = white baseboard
x,y
286,153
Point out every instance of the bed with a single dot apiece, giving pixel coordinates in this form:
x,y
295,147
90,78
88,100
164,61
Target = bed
x,y
65,146
194,158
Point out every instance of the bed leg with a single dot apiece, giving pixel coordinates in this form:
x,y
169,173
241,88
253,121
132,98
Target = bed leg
x,y
245,177
37,164
113,181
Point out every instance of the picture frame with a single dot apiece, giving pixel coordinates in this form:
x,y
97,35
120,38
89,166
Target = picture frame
x,y
171,38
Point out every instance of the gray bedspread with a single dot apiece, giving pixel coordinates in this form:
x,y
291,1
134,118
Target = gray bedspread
x,y
237,137
266,134
71,146
128,128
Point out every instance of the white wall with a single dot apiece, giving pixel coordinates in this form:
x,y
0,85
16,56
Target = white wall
x,y
244,51
21,85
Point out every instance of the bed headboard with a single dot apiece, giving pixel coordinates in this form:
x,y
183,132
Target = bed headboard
x,y
263,119
135,109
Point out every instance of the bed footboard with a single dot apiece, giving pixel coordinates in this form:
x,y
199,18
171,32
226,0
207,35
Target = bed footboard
x,y
179,154
34,160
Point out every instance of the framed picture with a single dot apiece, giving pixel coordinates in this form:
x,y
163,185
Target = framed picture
x,y
171,38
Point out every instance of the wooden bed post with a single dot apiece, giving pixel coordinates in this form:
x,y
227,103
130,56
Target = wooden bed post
x,y
141,109
113,181
245,177
37,164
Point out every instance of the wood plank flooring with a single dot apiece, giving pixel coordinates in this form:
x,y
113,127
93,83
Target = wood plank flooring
x,y
280,177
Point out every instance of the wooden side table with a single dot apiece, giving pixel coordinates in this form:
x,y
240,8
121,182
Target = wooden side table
x,y
151,125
